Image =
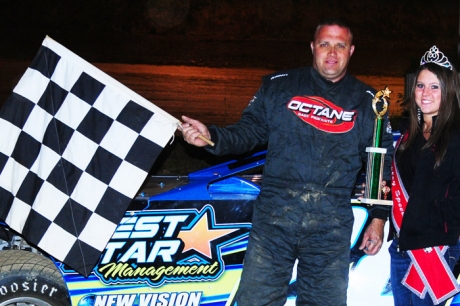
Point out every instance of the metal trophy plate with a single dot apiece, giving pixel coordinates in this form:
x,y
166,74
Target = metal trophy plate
x,y
375,191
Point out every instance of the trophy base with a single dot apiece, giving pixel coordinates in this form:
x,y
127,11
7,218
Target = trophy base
x,y
376,201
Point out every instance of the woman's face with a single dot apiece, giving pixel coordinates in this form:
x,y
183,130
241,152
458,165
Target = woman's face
x,y
428,93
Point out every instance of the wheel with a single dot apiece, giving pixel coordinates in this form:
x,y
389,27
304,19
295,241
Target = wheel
x,y
28,279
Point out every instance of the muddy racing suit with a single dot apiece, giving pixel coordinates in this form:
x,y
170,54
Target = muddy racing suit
x,y
317,132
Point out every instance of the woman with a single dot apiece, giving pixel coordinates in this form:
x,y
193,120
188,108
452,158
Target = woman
x,y
426,188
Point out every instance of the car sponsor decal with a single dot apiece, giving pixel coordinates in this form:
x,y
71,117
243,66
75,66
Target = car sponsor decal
x,y
159,246
322,114
165,298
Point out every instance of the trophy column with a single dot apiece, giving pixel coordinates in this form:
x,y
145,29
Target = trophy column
x,y
376,155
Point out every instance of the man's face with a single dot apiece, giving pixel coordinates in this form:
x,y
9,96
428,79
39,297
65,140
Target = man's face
x,y
332,50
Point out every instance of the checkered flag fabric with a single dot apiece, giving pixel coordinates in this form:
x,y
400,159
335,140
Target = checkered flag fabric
x,y
75,147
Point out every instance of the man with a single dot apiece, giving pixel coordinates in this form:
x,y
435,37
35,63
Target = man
x,y
317,122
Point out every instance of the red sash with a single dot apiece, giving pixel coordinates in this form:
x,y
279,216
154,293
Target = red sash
x,y
429,271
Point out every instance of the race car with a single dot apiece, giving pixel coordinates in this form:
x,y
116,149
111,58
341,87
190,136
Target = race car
x,y
181,242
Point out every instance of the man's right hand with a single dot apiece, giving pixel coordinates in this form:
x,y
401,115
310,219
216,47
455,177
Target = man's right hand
x,y
191,131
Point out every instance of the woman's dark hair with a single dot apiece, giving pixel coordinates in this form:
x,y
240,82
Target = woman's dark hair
x,y
448,116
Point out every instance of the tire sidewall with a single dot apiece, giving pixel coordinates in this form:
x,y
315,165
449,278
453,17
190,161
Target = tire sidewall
x,y
26,285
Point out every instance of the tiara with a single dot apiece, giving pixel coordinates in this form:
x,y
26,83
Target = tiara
x,y
437,57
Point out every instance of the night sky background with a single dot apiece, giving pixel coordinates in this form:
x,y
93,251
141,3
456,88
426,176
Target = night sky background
x,y
390,36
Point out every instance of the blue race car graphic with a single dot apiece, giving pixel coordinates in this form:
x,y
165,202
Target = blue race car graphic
x,y
181,242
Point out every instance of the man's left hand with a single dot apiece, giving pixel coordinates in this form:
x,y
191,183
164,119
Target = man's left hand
x,y
373,237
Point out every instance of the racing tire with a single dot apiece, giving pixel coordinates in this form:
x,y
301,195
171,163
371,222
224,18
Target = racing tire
x,y
28,279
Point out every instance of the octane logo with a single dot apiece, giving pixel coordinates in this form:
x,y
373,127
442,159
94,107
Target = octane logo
x,y
322,114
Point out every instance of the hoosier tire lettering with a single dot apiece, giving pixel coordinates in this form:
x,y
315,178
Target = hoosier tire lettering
x,y
28,278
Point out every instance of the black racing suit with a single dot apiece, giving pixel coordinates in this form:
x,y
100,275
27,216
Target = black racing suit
x,y
317,132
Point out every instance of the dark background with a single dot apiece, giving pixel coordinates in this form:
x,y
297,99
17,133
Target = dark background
x,y
390,36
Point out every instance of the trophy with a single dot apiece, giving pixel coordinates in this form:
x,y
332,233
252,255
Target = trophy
x,y
375,191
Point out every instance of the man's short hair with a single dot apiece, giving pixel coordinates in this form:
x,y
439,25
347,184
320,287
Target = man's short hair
x,y
331,22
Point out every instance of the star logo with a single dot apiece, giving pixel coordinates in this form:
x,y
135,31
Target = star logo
x,y
199,236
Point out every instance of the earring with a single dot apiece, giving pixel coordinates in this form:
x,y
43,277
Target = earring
x,y
419,114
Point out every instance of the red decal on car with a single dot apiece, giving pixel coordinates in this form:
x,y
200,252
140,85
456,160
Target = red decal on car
x,y
322,114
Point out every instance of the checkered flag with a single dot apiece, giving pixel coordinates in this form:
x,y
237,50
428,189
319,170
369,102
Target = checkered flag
x,y
75,147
